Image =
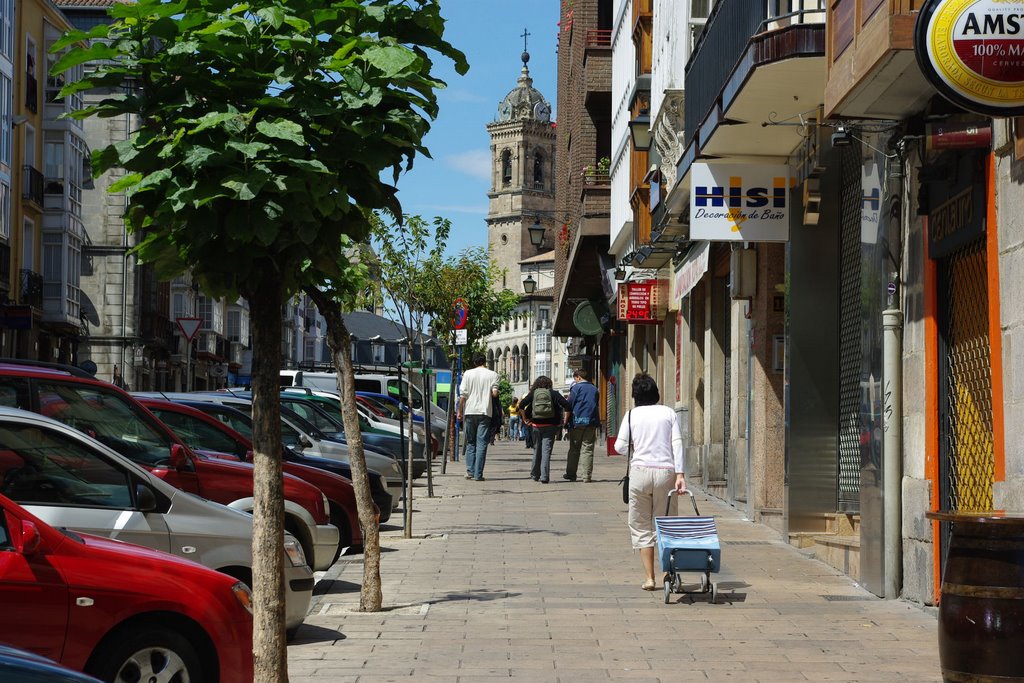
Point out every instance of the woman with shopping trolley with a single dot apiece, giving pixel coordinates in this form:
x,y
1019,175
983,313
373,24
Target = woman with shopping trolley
x,y
650,434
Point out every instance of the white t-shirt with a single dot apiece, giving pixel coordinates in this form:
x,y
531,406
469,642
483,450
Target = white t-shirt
x,y
657,441
476,388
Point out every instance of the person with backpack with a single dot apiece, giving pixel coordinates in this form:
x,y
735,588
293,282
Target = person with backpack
x,y
543,410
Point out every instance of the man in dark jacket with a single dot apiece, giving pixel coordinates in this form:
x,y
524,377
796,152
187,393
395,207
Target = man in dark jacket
x,y
583,423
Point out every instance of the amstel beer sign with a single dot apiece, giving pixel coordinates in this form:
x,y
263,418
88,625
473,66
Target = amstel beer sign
x,y
972,51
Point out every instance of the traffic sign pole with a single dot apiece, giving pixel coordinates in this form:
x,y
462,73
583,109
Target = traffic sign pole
x,y
189,328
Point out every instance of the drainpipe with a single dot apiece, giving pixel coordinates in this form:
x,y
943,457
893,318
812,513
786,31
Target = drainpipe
x,y
892,447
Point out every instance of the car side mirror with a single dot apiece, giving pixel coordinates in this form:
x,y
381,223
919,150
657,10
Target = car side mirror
x,y
179,457
30,538
304,441
145,499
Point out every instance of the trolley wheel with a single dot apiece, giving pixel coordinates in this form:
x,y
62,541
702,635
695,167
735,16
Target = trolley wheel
x,y
714,593
668,590
703,583
677,585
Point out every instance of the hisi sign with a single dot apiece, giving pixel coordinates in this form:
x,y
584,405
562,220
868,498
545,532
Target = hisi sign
x,y
972,51
739,202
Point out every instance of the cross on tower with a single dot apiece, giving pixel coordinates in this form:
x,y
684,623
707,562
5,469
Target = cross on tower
x,y
525,34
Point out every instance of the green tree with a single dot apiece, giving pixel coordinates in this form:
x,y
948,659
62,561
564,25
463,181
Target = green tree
x,y
402,250
265,129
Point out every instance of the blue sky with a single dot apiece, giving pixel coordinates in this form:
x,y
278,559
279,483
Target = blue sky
x,y
454,183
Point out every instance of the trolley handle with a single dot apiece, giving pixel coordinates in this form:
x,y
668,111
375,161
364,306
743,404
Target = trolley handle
x,y
668,503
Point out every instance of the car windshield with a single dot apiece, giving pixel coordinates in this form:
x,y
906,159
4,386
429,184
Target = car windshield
x,y
107,417
312,412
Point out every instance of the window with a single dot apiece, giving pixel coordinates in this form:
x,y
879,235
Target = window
x,y
5,209
699,10
234,331
543,318
506,167
31,85
198,434
180,306
6,114
46,467
538,170
378,353
107,418
7,29
53,163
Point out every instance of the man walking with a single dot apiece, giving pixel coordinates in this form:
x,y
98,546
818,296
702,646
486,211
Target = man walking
x,y
582,423
475,413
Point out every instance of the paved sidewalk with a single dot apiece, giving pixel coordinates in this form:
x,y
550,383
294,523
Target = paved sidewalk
x,y
510,578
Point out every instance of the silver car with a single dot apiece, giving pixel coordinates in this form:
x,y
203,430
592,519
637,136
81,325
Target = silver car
x,y
69,479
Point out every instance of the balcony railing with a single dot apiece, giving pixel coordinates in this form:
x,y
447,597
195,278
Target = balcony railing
x,y
32,184
599,37
31,288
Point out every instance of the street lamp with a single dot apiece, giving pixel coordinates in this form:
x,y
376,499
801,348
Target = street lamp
x,y
536,233
640,131
529,284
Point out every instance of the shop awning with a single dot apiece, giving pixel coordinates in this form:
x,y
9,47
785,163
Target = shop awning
x,y
692,270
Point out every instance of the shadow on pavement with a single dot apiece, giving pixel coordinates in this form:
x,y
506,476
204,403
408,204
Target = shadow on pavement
x,y
334,587
308,633
501,529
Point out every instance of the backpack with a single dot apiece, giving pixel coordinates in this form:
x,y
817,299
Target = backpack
x,y
543,406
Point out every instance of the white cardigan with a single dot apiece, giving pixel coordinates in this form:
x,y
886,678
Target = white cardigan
x,y
657,441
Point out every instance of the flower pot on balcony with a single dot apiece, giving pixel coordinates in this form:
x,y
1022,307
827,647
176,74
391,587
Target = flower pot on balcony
x,y
981,609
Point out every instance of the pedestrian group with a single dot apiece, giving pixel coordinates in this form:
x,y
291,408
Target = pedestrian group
x,y
649,435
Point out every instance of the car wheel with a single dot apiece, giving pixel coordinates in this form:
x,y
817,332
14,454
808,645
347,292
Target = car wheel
x,y
148,654
340,520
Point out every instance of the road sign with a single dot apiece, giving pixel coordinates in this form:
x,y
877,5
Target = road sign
x,y
461,337
189,327
460,314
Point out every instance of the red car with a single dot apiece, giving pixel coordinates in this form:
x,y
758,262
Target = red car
x,y
117,420
119,611
202,432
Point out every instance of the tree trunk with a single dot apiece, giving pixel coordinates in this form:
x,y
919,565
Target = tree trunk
x,y
410,446
270,654
339,341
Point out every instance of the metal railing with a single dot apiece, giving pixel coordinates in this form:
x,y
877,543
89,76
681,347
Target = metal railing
x,y
726,35
599,37
32,184
31,288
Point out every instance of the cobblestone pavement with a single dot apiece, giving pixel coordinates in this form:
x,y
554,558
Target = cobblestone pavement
x,y
510,578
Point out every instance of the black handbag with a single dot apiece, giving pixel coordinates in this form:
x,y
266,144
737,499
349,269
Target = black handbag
x,y
629,456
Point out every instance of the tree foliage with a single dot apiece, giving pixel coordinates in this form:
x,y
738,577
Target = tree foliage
x,y
265,128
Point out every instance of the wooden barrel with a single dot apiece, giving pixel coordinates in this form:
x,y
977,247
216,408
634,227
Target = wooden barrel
x,y
981,609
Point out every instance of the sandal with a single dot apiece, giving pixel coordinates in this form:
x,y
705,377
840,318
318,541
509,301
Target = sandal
x,y
649,585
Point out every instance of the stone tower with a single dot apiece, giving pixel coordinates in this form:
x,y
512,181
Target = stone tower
x,y
522,178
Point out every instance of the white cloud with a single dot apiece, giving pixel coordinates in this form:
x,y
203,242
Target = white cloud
x,y
474,162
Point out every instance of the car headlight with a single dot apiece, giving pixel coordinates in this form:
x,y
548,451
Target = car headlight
x,y
294,552
243,595
327,504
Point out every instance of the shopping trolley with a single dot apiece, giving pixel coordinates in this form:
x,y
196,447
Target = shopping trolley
x,y
687,544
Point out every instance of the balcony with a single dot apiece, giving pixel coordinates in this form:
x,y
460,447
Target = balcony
x,y
872,71
748,69
32,185
31,288
597,68
156,330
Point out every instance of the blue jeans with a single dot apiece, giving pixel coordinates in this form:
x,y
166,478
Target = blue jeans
x,y
477,430
513,428
543,442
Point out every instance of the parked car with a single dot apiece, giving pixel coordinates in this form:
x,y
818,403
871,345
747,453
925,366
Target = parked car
x,y
376,425
68,479
23,666
378,383
115,419
332,428
205,434
241,423
117,611
299,439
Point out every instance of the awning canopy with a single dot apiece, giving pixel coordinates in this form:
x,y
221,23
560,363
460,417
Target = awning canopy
x,y
584,274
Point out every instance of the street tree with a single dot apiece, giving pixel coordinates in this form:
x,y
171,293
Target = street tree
x,y
265,129
402,249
